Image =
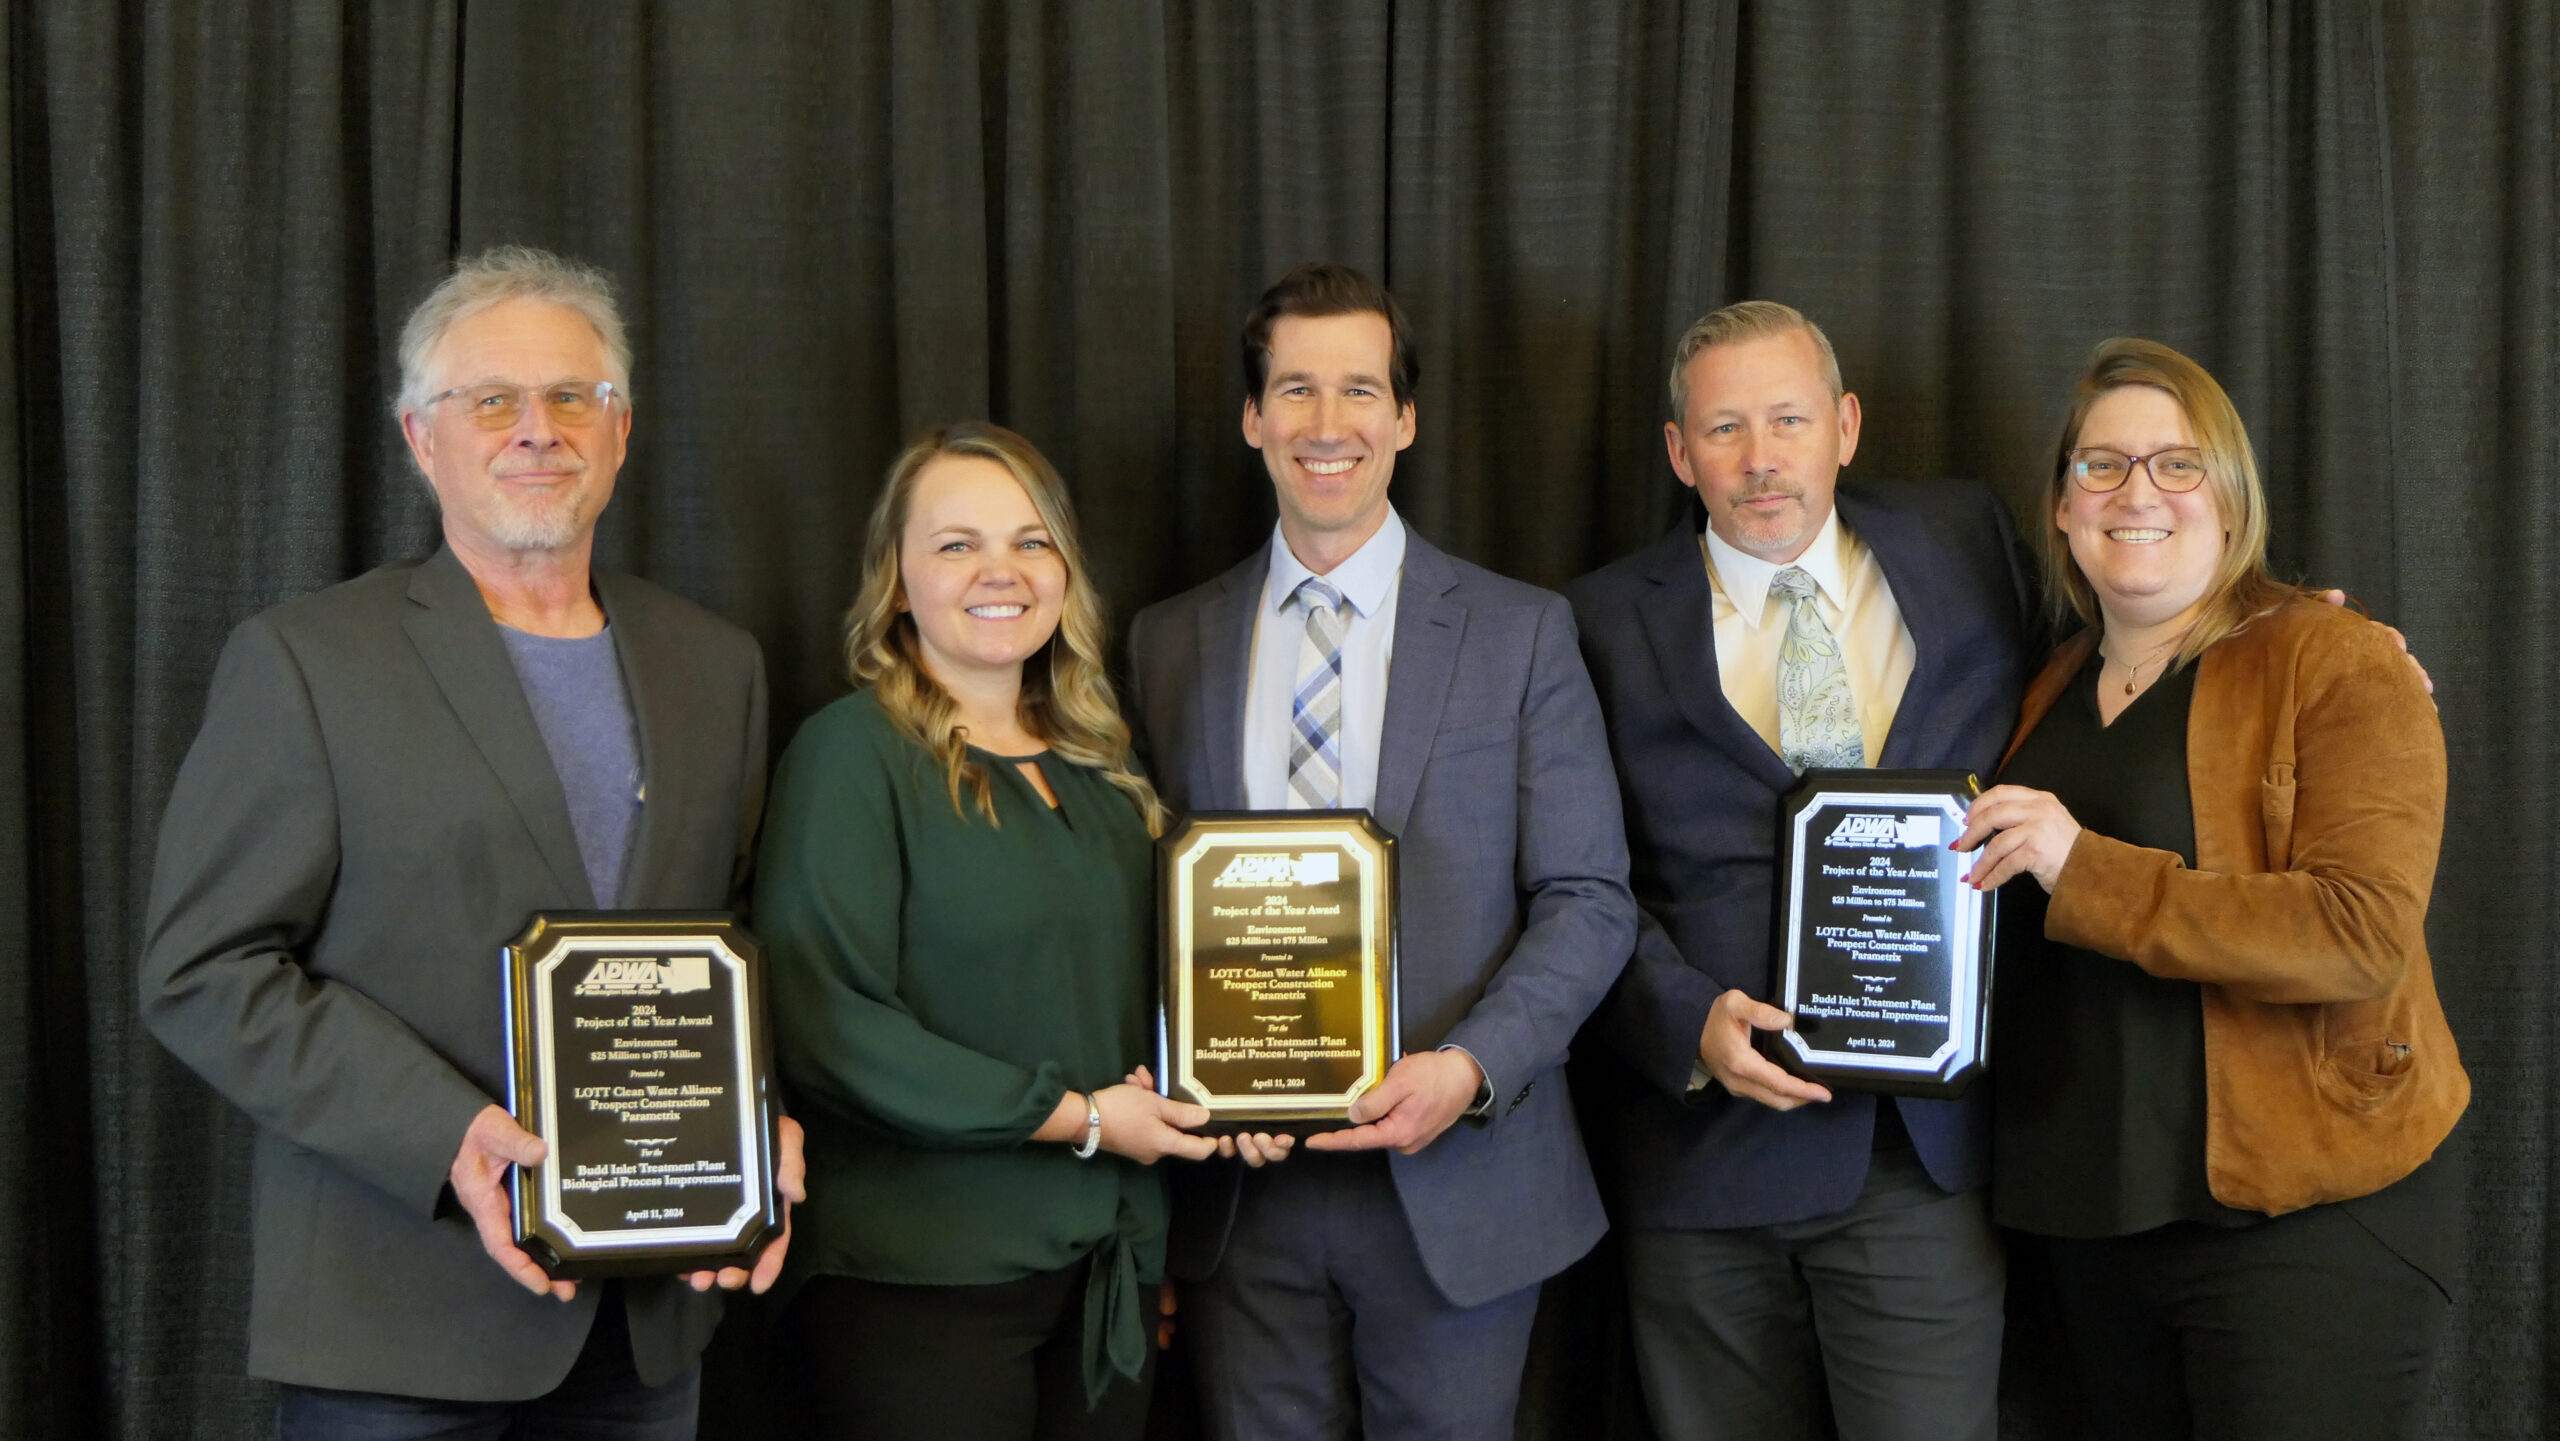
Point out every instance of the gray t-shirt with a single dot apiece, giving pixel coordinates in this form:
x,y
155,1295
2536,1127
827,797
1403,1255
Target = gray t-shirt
x,y
575,690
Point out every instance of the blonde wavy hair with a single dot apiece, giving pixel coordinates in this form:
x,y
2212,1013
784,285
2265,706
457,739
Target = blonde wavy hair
x,y
2242,588
1067,699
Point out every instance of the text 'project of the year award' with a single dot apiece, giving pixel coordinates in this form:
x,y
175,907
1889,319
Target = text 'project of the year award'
x,y
636,1051
1884,953
1279,1004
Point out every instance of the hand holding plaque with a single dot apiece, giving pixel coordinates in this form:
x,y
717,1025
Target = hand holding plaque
x,y
1424,1093
636,1053
1279,1001
1883,951
2016,831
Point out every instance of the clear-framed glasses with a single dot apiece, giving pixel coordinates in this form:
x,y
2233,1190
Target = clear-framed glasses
x,y
499,407
2176,470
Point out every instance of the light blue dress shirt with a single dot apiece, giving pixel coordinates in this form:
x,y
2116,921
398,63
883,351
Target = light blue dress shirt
x,y
1368,582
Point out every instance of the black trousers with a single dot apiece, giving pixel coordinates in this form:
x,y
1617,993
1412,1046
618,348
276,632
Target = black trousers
x,y
601,1396
1002,1362
2306,1325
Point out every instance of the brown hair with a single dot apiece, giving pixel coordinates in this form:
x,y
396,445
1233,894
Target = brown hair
x,y
1740,321
1320,287
1066,692
2242,588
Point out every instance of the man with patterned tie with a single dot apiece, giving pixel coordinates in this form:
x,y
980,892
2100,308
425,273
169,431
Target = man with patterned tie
x,y
1385,1285
1780,1240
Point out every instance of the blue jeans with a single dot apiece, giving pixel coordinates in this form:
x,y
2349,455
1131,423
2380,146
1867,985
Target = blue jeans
x,y
601,1399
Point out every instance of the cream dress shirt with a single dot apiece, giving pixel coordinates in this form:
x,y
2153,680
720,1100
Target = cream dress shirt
x,y
1855,602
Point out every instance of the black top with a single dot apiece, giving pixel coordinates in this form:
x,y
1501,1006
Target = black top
x,y
2098,1106
2098,1114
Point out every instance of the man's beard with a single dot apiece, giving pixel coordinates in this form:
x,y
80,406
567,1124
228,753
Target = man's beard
x,y
521,522
1748,519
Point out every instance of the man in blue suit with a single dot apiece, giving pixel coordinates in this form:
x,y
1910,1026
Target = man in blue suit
x,y
1780,1238
1386,1284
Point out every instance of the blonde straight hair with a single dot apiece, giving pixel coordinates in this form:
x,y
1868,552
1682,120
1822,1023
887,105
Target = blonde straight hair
x,y
2242,588
1067,699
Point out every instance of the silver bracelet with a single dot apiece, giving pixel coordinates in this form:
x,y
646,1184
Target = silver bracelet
x,y
1092,1128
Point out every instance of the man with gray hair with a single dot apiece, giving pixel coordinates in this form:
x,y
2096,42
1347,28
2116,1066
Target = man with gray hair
x,y
393,775
1782,1240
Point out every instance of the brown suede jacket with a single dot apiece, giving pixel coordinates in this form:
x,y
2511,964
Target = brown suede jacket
x,y
2317,770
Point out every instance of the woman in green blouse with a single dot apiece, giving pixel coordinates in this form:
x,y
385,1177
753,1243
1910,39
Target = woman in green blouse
x,y
956,890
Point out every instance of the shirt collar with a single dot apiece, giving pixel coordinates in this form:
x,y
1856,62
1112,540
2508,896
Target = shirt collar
x,y
1365,580
1744,578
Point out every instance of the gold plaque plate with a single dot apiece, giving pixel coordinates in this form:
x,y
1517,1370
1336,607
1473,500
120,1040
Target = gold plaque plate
x,y
1279,942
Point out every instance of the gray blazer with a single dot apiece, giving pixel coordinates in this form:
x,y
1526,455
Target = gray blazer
x,y
1494,777
368,815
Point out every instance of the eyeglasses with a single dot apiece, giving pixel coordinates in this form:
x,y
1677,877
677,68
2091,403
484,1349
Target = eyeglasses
x,y
499,407
2176,470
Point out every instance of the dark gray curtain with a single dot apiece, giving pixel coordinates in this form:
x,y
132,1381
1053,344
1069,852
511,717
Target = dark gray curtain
x,y
2466,485
212,211
838,223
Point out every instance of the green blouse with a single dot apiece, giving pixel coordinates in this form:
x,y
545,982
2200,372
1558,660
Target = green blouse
x,y
937,983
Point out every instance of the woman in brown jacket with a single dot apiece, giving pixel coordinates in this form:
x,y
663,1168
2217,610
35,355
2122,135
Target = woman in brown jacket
x,y
2222,1067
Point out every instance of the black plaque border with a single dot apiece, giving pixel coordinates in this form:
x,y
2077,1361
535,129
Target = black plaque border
x,y
540,1230
1948,1077
1297,1113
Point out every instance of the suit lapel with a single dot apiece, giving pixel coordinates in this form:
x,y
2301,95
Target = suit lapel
x,y
1680,626
1900,553
449,624
658,717
1429,627
1226,653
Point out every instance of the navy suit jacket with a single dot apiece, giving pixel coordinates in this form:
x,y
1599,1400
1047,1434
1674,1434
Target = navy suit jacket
x,y
1493,776
1702,790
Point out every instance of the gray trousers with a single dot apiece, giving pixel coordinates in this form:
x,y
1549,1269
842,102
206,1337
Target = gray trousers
x,y
1893,1305
1320,1321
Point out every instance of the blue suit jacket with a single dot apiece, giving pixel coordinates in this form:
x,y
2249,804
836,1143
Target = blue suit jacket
x,y
1493,776
1702,791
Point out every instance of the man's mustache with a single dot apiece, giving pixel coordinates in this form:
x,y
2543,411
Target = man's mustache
x,y
1762,492
567,465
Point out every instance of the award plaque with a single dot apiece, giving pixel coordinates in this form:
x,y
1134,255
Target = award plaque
x,y
636,1051
1279,935
1883,952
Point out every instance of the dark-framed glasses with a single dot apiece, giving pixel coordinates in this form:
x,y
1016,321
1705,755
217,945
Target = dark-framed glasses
x,y
2176,470
499,407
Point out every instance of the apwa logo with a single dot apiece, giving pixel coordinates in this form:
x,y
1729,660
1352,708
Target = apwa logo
x,y
640,976
1869,830
1264,870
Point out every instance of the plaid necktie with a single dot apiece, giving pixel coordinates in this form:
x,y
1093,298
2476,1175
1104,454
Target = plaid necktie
x,y
1315,710
1817,716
